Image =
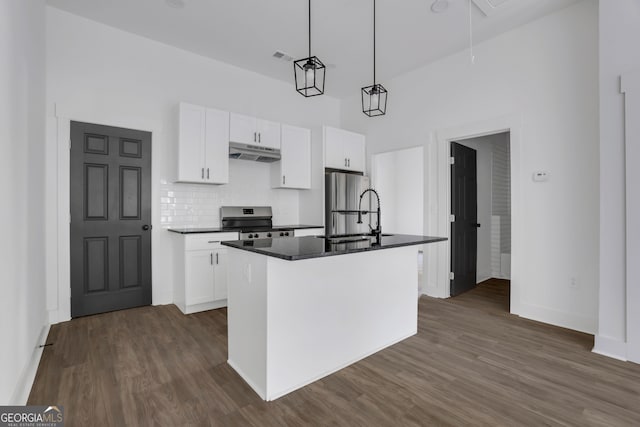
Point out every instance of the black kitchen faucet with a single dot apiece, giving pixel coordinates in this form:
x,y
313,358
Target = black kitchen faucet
x,y
377,232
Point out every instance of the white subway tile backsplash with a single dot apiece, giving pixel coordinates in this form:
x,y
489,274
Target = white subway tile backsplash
x,y
249,184
501,191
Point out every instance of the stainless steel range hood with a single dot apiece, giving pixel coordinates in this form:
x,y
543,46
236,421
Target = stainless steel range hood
x,y
254,153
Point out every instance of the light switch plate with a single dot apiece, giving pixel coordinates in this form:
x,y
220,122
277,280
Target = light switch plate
x,y
540,176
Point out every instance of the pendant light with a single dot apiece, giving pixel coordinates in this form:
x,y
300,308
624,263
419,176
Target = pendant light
x,y
309,72
374,97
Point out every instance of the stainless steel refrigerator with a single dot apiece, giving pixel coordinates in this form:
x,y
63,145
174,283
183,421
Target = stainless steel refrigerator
x,y
342,195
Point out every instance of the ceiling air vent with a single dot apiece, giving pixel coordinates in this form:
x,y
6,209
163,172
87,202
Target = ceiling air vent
x,y
278,54
489,7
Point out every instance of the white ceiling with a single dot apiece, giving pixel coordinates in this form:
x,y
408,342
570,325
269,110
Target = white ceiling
x,y
246,33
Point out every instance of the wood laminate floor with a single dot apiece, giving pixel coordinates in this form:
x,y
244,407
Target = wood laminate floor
x,y
471,363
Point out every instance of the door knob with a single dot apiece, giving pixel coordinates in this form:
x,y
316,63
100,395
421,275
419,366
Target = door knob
x,y
146,227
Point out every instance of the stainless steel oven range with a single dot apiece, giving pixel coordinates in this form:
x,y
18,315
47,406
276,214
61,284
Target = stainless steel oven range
x,y
253,222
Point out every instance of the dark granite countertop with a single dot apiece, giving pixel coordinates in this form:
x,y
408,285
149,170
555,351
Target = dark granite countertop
x,y
195,230
297,248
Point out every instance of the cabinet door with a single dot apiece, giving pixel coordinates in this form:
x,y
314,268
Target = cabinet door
x,y
242,129
268,133
295,166
217,147
220,273
191,143
199,277
333,150
354,151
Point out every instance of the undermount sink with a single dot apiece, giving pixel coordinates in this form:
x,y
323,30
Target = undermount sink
x,y
348,238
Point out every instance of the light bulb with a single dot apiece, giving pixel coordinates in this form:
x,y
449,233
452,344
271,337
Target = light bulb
x,y
375,100
310,76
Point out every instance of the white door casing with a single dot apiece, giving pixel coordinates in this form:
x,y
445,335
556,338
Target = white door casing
x,y
59,281
443,138
631,88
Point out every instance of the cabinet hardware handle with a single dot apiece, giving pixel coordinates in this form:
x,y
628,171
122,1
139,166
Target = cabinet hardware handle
x,y
202,173
345,161
216,258
214,241
255,138
207,173
284,180
349,162
211,256
259,137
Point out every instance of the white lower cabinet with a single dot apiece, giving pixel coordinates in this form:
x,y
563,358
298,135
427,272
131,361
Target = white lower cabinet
x,y
199,277
308,232
200,281
220,274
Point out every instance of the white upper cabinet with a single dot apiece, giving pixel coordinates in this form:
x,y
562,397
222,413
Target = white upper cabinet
x,y
253,131
268,133
344,149
203,145
294,168
243,129
217,146
191,143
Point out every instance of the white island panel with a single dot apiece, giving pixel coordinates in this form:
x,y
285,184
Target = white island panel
x,y
318,315
247,325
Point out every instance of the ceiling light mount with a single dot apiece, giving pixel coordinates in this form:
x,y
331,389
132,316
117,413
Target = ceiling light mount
x,y
374,97
176,4
309,73
439,6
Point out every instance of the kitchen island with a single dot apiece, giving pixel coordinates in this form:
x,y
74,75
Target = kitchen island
x,y
302,308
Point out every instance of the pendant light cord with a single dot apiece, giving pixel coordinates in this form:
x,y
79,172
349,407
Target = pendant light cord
x,y
374,43
473,58
309,28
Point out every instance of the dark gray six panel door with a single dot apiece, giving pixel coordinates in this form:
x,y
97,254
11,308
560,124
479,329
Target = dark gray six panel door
x,y
464,230
110,218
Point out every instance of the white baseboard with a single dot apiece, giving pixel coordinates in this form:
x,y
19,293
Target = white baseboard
x,y
274,396
162,298
25,381
259,391
557,318
610,347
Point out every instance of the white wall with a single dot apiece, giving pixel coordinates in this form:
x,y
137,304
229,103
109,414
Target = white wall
x,y
546,74
22,305
619,34
101,74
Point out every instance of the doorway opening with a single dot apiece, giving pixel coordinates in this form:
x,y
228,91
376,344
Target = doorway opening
x,y
481,218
